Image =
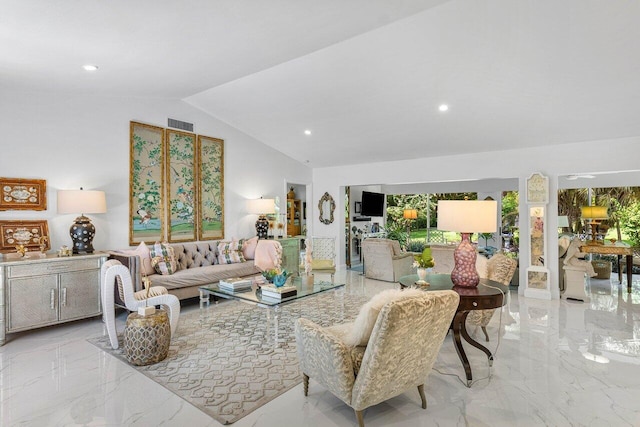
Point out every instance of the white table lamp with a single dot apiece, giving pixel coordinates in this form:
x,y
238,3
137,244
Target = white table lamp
x,y
81,202
466,217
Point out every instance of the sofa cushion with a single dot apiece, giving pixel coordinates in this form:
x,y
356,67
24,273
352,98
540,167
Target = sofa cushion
x,y
366,319
230,252
207,275
322,264
163,259
145,257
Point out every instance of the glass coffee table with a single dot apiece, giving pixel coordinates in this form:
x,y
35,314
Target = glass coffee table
x,y
305,287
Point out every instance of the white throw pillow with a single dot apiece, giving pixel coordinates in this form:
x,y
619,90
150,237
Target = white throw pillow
x,y
366,320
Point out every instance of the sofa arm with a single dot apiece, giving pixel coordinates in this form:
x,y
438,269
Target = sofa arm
x,y
132,262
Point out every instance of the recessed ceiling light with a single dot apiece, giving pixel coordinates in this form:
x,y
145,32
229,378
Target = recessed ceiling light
x,y
90,67
307,132
443,107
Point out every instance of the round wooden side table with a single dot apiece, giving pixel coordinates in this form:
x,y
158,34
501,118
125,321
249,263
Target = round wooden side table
x,y
147,338
487,295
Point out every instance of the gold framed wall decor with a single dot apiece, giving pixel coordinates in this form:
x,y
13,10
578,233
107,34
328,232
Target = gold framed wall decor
x,y
210,161
146,183
181,186
22,232
23,194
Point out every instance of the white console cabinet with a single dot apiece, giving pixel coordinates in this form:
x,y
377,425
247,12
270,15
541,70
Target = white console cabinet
x,y
47,290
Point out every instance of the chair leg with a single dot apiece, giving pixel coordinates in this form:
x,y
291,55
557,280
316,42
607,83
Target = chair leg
x,y
360,418
305,382
422,396
486,335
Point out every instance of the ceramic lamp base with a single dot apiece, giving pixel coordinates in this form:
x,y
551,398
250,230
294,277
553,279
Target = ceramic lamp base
x,y
262,227
464,273
82,233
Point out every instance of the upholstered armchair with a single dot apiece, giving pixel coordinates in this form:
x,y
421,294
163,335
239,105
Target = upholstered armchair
x,y
383,260
500,268
363,369
323,255
114,274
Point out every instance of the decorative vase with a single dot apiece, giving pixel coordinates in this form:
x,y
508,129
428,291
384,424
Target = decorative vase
x,y
464,272
422,273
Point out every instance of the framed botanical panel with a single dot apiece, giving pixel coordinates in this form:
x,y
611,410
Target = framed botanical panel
x,y
210,188
181,186
537,278
146,183
537,223
23,194
538,189
21,232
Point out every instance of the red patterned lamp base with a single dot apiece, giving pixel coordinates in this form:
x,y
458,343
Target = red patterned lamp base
x,y
464,273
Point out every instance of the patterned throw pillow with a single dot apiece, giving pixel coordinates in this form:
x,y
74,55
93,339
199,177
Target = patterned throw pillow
x,y
230,252
163,258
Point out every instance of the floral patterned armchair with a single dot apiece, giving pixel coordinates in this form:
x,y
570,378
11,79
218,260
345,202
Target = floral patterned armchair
x,y
405,340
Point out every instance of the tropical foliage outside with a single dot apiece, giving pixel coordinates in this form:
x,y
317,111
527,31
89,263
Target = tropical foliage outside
x,y
623,204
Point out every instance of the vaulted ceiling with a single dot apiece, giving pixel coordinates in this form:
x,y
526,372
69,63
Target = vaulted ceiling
x,y
366,77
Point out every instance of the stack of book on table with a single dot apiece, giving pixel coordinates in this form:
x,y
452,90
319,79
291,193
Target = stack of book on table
x,y
274,293
235,284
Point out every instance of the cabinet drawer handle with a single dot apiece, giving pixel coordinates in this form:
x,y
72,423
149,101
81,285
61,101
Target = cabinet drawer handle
x,y
58,267
53,299
64,297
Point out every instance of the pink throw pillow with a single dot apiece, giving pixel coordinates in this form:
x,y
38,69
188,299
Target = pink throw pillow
x,y
145,257
249,248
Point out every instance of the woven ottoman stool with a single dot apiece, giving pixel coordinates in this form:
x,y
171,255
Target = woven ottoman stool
x,y
147,338
602,269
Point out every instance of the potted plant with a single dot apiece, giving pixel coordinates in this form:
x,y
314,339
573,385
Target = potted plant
x,y
423,262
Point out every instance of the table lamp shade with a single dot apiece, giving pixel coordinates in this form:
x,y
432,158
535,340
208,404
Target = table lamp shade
x,y
594,212
82,231
261,207
466,217
410,214
563,221
81,201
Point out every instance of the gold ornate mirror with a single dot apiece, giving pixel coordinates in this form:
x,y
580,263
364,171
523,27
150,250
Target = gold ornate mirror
x,y
326,206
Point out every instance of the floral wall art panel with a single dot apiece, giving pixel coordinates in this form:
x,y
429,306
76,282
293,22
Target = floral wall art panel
x,y
211,188
146,183
181,186
29,233
23,194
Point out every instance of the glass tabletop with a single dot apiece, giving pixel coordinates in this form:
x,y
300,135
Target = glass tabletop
x,y
304,289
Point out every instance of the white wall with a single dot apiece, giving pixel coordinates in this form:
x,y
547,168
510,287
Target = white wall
x,y
74,141
553,161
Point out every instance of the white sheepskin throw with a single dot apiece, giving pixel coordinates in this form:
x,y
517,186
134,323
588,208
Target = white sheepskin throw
x,y
366,320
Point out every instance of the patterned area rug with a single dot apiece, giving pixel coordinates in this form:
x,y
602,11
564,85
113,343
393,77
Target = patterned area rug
x,y
224,359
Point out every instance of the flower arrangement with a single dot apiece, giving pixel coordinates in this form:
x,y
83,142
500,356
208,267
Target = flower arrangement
x,y
270,274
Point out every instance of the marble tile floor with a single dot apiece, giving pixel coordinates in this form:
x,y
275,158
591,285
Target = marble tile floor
x,y
558,363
